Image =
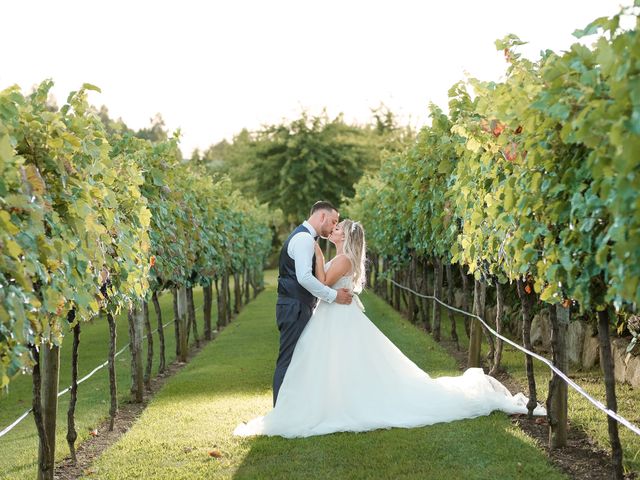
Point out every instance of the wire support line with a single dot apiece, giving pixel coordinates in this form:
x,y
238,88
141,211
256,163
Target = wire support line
x,y
86,377
634,428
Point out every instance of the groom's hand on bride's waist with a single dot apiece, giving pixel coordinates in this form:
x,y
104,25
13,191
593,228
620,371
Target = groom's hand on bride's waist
x,y
344,296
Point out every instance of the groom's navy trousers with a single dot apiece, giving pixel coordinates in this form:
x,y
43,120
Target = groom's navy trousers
x,y
293,310
291,316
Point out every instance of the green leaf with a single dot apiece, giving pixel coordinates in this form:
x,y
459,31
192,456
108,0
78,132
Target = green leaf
x,y
606,56
6,150
602,255
548,294
592,28
156,175
587,225
13,248
89,86
6,224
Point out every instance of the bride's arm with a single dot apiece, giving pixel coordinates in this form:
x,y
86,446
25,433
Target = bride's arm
x,y
340,266
319,271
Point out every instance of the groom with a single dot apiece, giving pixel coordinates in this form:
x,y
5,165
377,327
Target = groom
x,y
298,288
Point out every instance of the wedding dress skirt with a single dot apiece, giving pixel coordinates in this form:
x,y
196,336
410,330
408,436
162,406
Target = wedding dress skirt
x,y
346,375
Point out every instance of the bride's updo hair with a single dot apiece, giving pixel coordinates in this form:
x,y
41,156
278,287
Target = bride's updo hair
x,y
355,250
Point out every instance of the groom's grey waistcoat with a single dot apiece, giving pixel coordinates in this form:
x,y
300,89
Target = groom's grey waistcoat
x,y
288,285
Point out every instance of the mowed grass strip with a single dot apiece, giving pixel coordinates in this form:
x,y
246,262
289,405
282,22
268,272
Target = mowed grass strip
x,y
20,446
230,381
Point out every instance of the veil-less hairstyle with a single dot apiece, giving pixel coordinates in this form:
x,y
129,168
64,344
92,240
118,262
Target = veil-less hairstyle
x,y
322,205
355,250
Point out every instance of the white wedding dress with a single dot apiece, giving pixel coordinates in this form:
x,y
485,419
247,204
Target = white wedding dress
x,y
346,376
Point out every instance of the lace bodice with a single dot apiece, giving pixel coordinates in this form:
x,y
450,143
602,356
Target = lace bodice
x,y
346,282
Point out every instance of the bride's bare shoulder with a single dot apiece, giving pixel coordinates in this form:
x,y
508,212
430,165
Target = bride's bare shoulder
x,y
341,262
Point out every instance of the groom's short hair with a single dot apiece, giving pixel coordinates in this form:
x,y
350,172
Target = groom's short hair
x,y
322,205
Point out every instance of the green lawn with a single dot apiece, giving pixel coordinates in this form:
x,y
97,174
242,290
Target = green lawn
x,y
230,381
20,446
581,412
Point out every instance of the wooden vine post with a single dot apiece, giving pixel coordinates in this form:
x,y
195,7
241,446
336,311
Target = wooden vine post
x,y
497,356
606,361
450,301
45,471
228,295
237,292
191,322
72,434
207,291
147,328
182,319
156,306
136,328
527,298
475,341
465,300
437,292
50,356
557,401
113,384
176,320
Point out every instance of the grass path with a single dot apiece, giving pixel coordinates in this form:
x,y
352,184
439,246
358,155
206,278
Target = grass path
x,y
230,381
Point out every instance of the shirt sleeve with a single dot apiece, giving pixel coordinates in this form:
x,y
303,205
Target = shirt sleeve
x,y
301,249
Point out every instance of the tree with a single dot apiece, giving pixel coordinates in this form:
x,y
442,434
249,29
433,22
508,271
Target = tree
x,y
292,164
112,127
156,132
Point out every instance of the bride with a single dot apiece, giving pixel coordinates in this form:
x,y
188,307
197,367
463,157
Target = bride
x,y
345,375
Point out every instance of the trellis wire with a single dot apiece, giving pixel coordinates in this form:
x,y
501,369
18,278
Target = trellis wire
x,y
89,375
558,372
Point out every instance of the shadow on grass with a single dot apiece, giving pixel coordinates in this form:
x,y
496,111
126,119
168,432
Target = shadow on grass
x,y
483,448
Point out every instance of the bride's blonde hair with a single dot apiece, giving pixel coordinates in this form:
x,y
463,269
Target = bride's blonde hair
x,y
355,250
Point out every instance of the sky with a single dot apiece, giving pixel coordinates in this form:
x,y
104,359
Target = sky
x,y
211,68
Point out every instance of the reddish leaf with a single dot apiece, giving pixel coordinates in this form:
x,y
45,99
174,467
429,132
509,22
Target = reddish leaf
x,y
497,128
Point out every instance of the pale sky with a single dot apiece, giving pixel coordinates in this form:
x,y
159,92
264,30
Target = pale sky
x,y
213,67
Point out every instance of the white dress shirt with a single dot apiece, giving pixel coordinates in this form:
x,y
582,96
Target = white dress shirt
x,y
301,249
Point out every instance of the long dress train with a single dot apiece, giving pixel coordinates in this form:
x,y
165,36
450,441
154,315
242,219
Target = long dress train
x,y
346,375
